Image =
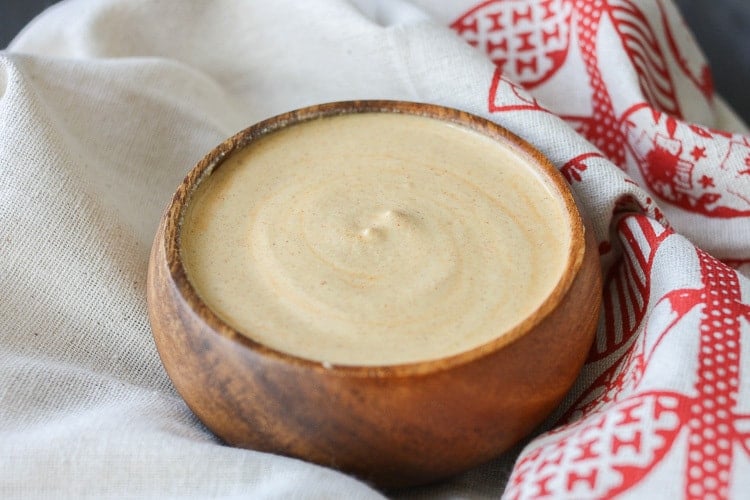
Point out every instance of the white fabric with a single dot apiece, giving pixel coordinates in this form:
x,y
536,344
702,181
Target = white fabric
x,y
104,107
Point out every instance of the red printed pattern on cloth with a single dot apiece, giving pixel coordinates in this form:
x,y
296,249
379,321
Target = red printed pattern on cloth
x,y
529,41
619,433
623,427
698,169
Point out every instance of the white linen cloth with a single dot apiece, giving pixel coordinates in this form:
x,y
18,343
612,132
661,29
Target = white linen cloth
x,y
106,104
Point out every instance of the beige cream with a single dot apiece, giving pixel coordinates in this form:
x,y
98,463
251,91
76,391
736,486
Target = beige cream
x,y
374,239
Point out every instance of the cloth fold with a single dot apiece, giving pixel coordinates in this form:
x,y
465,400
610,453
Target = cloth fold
x,y
106,104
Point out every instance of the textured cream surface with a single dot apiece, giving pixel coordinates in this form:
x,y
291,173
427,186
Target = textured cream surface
x,y
374,239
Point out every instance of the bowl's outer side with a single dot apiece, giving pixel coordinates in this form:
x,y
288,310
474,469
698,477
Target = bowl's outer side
x,y
386,427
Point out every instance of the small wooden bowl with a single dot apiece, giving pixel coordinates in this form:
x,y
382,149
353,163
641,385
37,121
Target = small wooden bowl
x,y
397,425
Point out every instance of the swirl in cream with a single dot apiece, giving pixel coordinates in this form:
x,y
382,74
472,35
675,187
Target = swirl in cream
x,y
374,239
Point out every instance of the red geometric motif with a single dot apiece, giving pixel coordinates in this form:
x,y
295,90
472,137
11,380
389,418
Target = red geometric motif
x,y
482,27
645,53
627,419
521,100
528,40
626,290
512,31
619,431
601,128
601,455
712,423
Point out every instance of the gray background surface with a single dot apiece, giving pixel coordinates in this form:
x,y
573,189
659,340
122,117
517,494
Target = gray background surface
x,y
722,27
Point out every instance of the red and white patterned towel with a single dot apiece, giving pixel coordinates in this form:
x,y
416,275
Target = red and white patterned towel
x,y
105,104
664,399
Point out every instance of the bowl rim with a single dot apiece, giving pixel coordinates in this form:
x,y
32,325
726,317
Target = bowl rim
x,y
173,218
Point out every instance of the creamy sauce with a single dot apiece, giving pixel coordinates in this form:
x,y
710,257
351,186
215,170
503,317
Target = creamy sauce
x,y
374,239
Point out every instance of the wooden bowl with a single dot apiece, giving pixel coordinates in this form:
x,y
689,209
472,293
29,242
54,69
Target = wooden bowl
x,y
397,425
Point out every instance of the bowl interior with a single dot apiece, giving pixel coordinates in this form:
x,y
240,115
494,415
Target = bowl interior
x,y
392,221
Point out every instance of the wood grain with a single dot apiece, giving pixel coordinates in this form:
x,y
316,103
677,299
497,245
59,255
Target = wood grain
x,y
397,425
